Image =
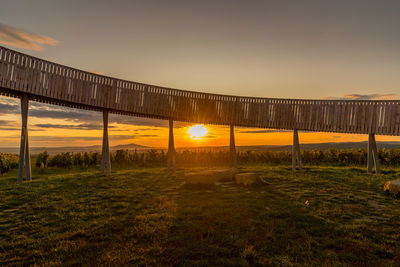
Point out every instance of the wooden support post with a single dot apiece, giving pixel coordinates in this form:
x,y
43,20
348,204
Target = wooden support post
x,y
105,154
171,155
298,151
373,155
296,155
376,156
294,151
232,148
370,157
24,155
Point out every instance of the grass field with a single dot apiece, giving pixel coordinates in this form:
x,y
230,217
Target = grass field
x,y
321,216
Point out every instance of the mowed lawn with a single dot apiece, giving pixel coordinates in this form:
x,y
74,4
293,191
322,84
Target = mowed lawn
x,y
321,216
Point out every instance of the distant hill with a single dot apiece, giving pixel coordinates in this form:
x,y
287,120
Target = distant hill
x,y
320,146
56,150
97,148
130,147
324,146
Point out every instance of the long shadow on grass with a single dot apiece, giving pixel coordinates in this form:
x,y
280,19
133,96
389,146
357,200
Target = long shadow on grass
x,y
147,218
232,225
271,224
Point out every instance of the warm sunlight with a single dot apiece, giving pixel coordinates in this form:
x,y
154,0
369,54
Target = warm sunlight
x,y
197,131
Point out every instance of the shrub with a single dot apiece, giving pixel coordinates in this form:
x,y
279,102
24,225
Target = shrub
x,y
63,160
7,162
42,158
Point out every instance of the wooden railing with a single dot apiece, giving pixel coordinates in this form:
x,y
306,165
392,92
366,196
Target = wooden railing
x,y
49,82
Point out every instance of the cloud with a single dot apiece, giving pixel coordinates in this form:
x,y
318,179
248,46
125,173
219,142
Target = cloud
x,y
45,111
82,126
22,39
9,108
145,129
44,138
264,131
19,129
6,123
131,120
366,97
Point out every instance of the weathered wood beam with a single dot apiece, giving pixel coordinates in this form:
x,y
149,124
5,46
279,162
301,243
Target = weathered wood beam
x,y
105,154
369,155
232,148
373,156
171,154
28,159
376,157
296,155
24,155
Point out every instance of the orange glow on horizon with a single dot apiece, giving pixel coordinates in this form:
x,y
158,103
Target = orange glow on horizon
x,y
186,135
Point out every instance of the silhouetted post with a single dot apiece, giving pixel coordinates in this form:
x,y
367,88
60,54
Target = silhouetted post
x,y
376,156
296,156
105,153
232,148
373,154
294,152
24,156
171,155
370,157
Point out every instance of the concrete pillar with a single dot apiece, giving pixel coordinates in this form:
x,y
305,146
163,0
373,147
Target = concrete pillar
x,y
105,154
24,155
232,148
373,157
296,155
171,155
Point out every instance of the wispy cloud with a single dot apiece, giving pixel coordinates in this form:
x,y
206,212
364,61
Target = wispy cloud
x,y
82,126
366,97
22,39
263,131
45,138
6,123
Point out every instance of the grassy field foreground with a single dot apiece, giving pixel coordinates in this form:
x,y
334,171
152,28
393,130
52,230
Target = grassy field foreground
x,y
321,216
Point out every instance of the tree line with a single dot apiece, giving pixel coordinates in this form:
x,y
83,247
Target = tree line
x,y
191,158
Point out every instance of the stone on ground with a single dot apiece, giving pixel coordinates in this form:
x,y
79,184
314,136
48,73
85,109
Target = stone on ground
x,y
246,179
393,187
209,177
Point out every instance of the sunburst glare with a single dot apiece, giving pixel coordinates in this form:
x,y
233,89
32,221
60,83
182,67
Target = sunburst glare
x,y
197,131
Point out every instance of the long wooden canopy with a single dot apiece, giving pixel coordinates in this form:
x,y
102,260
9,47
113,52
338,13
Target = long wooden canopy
x,y
48,82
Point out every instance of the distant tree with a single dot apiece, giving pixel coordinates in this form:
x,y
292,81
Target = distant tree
x,y
121,156
86,159
77,159
42,159
95,158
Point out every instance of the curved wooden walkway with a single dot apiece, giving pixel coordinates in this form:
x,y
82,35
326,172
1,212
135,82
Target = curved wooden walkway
x,y
31,78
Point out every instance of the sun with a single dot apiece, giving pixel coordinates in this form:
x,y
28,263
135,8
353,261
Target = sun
x,y
197,131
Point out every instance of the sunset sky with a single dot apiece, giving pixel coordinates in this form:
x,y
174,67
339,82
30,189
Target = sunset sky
x,y
285,49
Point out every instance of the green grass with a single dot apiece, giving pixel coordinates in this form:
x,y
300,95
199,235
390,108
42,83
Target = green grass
x,y
148,217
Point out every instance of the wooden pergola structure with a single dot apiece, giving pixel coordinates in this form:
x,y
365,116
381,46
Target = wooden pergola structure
x,y
34,79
